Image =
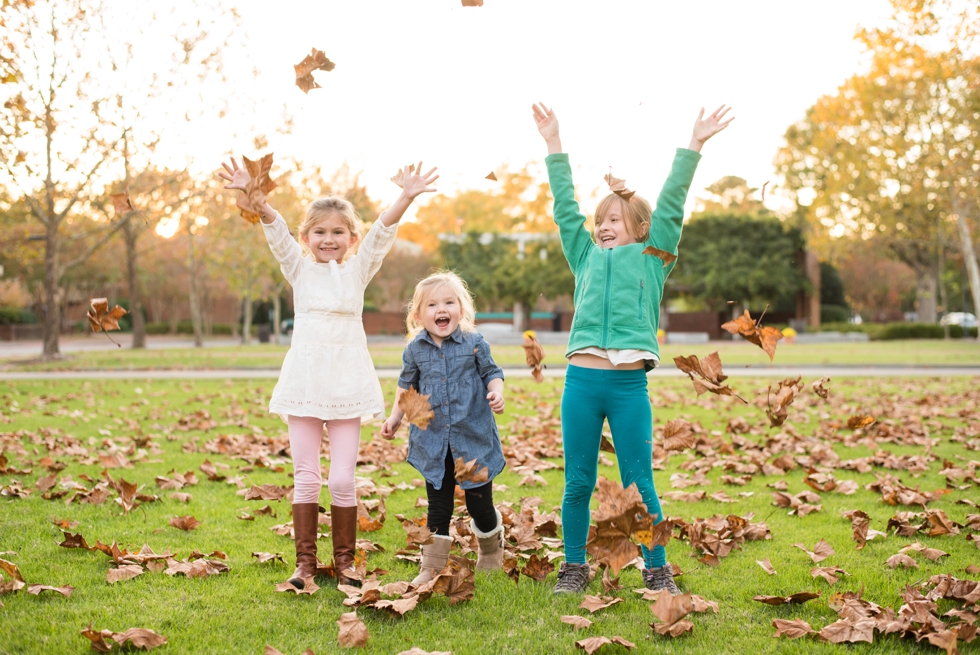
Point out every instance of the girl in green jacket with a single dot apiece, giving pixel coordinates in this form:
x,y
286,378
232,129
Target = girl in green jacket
x,y
619,282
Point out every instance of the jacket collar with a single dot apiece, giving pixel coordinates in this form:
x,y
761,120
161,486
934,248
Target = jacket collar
x,y
457,336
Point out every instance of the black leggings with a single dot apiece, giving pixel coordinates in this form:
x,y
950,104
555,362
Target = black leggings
x,y
479,502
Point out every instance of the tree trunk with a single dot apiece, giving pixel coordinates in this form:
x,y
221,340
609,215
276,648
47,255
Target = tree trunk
x,y
969,255
522,316
51,325
925,297
131,234
195,291
247,318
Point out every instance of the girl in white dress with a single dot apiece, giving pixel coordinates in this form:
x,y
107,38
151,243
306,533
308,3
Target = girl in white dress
x,y
327,376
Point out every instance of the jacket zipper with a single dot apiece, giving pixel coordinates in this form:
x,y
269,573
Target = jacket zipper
x,y
639,303
605,303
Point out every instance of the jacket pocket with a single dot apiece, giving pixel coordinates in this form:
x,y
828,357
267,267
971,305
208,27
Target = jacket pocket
x,y
639,302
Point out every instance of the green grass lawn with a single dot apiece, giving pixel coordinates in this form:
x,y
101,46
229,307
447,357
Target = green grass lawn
x,y
239,611
919,352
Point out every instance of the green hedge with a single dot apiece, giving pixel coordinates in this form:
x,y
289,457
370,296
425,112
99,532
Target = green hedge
x,y
834,314
185,327
893,331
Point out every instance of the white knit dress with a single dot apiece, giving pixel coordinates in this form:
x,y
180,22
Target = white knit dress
x,y
328,372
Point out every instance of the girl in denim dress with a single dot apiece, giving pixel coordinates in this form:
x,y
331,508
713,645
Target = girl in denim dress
x,y
447,359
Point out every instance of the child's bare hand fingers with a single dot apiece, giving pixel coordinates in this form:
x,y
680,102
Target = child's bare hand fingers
x,y
431,171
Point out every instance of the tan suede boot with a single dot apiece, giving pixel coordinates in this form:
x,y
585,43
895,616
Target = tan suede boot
x,y
343,525
491,555
435,557
305,531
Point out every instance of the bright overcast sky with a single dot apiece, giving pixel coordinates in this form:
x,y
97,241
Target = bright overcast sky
x,y
453,86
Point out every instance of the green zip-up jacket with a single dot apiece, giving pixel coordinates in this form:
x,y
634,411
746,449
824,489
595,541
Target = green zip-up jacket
x,y
618,290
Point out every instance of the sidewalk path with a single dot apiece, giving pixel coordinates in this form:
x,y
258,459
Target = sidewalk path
x,y
556,372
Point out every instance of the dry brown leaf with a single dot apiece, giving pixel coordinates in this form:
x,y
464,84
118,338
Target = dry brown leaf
x,y
671,609
618,186
596,603
820,552
36,589
706,374
701,604
859,421
314,61
186,523
819,388
141,638
666,257
417,409
101,318
268,557
260,185
472,3
764,337
577,622
123,572
792,629
491,177
766,566
181,497
309,587
266,492
537,569
843,630
122,203
534,355
901,560
786,393
621,514
673,629
678,435
800,597
470,471
399,177
828,573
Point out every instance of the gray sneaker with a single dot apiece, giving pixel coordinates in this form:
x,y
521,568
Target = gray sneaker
x,y
572,578
661,577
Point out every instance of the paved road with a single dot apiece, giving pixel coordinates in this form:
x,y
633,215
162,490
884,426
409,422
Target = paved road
x,y
808,372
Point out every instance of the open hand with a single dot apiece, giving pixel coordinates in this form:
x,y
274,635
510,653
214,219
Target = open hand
x,y
496,402
237,177
546,121
415,184
389,428
705,128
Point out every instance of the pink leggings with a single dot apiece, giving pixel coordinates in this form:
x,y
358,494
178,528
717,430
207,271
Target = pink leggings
x,y
305,433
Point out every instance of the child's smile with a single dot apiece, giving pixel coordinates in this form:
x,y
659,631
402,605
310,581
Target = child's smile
x,y
440,314
329,240
612,231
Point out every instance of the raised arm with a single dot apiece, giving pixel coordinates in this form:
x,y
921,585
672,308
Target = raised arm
x,y
576,242
284,247
668,216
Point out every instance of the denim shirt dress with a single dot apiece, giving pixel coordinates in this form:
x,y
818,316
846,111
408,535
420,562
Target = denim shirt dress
x,y
455,377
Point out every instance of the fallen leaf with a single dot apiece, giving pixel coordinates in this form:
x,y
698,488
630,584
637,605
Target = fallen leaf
x,y
764,337
314,61
819,388
186,523
596,603
901,560
592,644
800,597
618,186
417,409
265,492
666,257
122,203
577,622
491,176
706,374
101,318
792,629
828,573
470,471
538,569
123,572
140,638
842,631
785,395
820,552
309,587
534,355
859,421
181,497
671,609
36,589
621,515
766,566
472,3
678,435
268,557
673,629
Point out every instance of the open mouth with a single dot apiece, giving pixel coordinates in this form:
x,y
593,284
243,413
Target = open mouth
x,y
607,239
442,323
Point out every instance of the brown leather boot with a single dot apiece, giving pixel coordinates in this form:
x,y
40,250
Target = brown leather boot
x,y
343,524
305,531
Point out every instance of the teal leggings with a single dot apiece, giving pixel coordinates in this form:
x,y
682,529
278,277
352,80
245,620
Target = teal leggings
x,y
590,397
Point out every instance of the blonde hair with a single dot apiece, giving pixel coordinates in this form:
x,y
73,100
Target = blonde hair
x,y
425,288
636,214
323,208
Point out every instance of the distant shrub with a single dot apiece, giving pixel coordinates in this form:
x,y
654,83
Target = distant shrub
x,y
891,331
834,314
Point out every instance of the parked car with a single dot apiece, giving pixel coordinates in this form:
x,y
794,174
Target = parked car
x,y
963,319
286,327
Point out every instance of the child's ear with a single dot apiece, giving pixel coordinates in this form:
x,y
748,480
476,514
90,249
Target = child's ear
x,y
305,238
353,238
